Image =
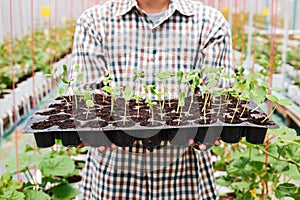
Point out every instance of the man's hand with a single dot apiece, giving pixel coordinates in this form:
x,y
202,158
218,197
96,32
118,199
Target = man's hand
x,y
103,148
202,147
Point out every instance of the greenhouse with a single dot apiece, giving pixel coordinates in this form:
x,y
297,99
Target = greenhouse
x,y
149,99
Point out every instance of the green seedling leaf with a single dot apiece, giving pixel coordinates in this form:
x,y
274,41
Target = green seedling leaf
x,y
153,89
64,80
179,76
227,76
276,89
127,93
107,79
181,99
284,102
64,70
79,78
258,94
87,95
116,91
77,67
164,75
212,83
196,81
210,76
89,103
108,89
272,98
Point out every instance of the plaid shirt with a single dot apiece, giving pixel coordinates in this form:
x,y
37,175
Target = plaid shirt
x,y
118,37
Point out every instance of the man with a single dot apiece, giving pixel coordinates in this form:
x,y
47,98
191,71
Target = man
x,y
124,36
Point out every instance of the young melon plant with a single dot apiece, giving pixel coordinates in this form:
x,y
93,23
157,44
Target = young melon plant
x,y
127,97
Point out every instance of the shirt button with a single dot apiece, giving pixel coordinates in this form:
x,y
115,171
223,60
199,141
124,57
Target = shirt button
x,y
152,59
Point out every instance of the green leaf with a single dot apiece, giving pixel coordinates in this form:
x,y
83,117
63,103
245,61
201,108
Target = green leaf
x,y
65,70
164,75
61,91
181,99
275,89
292,151
284,102
179,76
217,150
57,166
258,94
79,78
35,194
77,67
64,191
240,186
152,89
127,93
212,83
12,195
64,80
87,95
272,98
285,190
108,89
89,103
196,81
238,164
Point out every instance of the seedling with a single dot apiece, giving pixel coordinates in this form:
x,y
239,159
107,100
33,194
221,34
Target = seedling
x,y
181,105
151,105
152,89
192,77
276,101
163,76
61,90
77,92
88,101
113,91
106,81
89,104
137,99
66,81
127,97
137,75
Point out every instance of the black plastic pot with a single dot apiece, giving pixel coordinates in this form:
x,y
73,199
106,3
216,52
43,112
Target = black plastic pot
x,y
70,138
231,134
94,138
44,139
256,135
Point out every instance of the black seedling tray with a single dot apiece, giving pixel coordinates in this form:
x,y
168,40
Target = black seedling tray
x,y
150,136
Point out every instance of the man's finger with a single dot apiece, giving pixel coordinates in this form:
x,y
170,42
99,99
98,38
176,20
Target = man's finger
x,y
101,149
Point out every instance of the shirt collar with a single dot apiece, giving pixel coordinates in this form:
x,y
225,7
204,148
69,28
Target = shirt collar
x,y
185,7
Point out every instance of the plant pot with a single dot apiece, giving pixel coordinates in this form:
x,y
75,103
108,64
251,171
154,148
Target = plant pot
x,y
94,138
70,138
231,134
44,139
256,135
